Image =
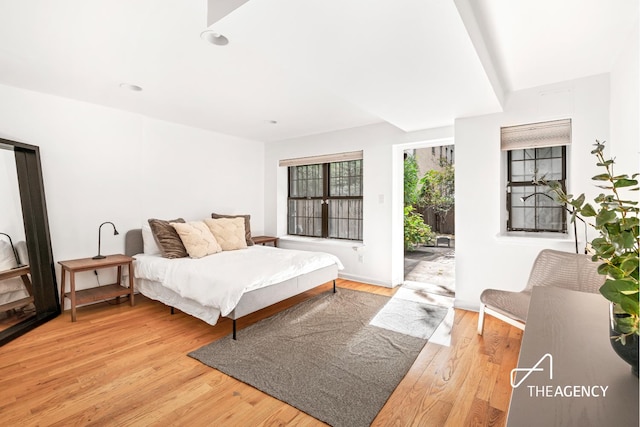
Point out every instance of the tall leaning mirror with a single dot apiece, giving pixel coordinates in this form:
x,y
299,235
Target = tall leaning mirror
x,y
28,290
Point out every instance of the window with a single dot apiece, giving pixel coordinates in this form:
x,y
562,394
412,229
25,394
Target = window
x,y
536,153
325,200
531,207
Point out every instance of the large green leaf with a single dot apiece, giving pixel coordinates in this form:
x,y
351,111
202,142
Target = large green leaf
x,y
600,243
601,177
605,217
587,210
615,290
616,273
629,264
628,240
612,227
619,183
603,269
577,203
605,163
630,304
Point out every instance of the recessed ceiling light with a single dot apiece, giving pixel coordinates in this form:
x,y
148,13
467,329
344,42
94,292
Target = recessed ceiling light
x,y
132,88
214,38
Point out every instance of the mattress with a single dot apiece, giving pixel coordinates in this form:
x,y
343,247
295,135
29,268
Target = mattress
x,y
216,283
156,291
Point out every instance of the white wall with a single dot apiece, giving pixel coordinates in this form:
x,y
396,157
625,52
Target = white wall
x,y
381,249
605,107
101,164
486,257
625,106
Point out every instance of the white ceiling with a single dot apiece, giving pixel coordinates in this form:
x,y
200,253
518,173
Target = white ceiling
x,y
546,41
312,66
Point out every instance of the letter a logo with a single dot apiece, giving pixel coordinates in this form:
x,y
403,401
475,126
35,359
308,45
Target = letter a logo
x,y
531,370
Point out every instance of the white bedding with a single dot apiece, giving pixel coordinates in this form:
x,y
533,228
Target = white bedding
x,y
218,281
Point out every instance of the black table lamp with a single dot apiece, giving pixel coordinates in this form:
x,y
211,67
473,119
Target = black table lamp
x,y
15,253
115,233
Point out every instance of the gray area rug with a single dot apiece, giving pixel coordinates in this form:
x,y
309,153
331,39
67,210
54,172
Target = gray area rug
x,y
323,356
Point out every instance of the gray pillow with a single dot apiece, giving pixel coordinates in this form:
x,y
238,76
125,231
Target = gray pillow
x,y
247,225
167,238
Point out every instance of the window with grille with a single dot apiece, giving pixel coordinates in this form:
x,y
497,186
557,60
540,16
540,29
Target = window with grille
x,y
325,200
531,204
536,153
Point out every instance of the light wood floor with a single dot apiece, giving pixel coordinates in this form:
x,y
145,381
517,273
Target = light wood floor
x,y
122,365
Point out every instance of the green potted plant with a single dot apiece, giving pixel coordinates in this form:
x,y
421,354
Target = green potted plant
x,y
616,219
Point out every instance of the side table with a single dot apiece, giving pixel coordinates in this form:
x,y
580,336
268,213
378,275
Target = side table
x,y
99,293
261,240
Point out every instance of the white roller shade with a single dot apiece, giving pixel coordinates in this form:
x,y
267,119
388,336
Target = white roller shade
x,y
545,134
326,158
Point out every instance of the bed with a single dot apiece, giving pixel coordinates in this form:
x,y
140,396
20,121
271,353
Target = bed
x,y
230,284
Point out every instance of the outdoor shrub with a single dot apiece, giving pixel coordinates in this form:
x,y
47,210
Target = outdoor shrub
x,y
415,230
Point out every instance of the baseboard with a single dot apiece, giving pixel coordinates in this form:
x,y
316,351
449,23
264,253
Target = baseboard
x,y
466,305
367,280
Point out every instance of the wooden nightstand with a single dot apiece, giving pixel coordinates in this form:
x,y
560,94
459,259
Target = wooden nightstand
x,y
261,240
101,292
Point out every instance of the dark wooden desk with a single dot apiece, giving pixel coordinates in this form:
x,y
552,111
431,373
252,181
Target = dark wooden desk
x,y
99,293
573,327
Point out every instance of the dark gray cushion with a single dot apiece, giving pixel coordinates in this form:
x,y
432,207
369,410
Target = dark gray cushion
x,y
167,238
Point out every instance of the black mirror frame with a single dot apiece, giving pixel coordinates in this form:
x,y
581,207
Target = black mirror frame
x,y
36,226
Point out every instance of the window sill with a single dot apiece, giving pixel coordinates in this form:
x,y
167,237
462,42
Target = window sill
x,y
320,241
524,236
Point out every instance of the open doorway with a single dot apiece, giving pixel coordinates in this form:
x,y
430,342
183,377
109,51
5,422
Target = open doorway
x,y
429,220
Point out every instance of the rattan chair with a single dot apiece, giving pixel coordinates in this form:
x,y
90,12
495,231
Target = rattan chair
x,y
551,268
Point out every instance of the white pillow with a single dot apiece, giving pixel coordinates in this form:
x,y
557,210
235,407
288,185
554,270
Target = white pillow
x,y
149,244
7,257
229,232
23,252
196,238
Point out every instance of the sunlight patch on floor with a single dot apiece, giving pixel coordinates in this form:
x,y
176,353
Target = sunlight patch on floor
x,y
419,292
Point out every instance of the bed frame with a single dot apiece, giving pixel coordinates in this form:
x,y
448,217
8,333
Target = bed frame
x,y
257,299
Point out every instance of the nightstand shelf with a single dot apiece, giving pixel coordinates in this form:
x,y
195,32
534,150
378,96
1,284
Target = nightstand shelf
x,y
99,293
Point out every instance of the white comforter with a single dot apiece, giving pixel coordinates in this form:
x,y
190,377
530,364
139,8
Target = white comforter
x,y
219,280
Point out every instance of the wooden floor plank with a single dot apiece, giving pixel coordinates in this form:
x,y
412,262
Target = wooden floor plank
x,y
125,366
